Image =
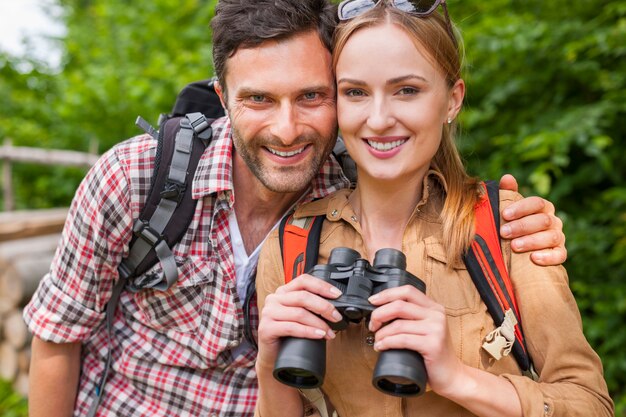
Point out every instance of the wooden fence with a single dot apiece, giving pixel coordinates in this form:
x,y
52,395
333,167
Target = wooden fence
x,y
10,154
28,240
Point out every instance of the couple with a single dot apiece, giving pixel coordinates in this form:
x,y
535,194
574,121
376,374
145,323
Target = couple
x,y
183,351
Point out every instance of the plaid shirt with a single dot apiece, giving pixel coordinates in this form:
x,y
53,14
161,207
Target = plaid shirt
x,y
172,349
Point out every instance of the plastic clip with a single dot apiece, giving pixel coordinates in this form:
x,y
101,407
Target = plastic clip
x,y
499,342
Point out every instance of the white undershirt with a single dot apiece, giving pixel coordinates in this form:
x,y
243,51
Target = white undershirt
x,y
245,267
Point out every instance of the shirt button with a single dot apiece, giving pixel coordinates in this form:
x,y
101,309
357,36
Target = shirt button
x,y
369,339
353,218
233,344
546,409
334,213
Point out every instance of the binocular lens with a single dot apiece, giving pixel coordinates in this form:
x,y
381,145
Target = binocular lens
x,y
301,363
400,372
297,377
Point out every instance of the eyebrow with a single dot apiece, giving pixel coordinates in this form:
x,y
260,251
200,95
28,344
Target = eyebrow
x,y
247,91
391,81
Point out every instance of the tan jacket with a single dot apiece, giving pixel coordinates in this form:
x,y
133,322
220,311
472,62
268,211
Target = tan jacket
x,y
571,381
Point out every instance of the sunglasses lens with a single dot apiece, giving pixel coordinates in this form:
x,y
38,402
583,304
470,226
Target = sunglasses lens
x,y
416,6
352,8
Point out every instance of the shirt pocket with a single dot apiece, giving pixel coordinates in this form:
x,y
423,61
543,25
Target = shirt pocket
x,y
179,308
451,287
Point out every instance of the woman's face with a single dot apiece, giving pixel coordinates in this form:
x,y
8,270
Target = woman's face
x,y
392,103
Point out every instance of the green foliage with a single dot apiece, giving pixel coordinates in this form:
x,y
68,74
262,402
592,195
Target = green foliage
x,y
546,99
11,404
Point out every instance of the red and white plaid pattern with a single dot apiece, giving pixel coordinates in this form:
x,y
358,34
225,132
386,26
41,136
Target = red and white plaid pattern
x,y
171,350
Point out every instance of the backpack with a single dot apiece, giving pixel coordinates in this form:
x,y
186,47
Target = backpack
x,y
182,137
299,243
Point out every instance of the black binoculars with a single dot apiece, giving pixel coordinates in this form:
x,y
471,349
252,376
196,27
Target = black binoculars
x,y
301,363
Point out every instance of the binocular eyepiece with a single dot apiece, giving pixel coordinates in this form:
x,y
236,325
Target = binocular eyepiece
x,y
301,363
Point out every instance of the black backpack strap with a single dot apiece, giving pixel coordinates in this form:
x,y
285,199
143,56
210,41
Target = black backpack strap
x,y
165,217
169,208
485,264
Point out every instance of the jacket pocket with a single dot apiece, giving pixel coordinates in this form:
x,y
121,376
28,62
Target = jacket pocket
x,y
451,287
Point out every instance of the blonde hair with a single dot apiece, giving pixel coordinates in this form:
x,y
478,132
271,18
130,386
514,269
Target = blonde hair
x,y
431,35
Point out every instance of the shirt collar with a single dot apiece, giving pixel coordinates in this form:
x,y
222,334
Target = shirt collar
x,y
337,207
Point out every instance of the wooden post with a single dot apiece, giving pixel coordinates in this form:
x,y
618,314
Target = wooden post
x,y
7,181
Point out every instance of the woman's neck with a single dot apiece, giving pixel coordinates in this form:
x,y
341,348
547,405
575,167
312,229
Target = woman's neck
x,y
384,208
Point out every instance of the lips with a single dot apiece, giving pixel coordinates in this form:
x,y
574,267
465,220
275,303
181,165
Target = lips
x,y
386,145
286,154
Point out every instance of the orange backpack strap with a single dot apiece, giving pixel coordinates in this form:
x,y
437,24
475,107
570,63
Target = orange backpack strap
x,y
485,263
299,244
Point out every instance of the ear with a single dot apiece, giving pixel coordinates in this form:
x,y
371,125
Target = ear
x,y
220,93
455,101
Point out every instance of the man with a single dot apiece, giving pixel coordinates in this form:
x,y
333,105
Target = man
x,y
183,351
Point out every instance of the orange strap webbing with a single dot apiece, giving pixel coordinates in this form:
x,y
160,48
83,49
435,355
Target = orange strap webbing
x,y
485,264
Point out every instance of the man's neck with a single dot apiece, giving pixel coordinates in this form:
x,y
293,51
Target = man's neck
x,y
257,208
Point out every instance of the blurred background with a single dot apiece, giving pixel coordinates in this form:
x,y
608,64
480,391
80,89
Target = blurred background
x,y
546,101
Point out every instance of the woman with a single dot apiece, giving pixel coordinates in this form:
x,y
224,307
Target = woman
x,y
398,93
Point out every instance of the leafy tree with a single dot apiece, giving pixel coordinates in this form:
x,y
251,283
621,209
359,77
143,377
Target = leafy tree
x,y
546,97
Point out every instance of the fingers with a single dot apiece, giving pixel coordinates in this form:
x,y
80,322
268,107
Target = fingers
x,y
406,302
311,284
299,309
508,182
526,207
548,257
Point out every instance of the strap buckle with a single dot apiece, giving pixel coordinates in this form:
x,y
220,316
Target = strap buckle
x,y
173,190
499,342
142,230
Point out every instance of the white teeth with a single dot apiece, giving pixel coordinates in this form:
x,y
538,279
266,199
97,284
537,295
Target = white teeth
x,y
286,154
385,146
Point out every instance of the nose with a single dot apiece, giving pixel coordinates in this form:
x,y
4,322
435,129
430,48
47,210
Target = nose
x,y
285,124
380,116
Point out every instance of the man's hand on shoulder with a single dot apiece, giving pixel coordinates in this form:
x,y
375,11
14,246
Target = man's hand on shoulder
x,y
533,226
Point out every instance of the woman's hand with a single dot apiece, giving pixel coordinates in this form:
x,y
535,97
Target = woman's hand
x,y
296,309
417,323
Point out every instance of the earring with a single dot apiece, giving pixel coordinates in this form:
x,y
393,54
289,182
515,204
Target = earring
x,y
449,120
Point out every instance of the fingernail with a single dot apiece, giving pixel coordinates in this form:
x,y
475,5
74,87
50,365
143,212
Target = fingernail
x,y
518,244
377,346
320,332
335,291
337,315
373,298
539,256
331,334
506,230
508,212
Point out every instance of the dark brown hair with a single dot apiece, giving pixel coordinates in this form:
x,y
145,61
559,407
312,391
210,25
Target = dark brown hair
x,y
248,23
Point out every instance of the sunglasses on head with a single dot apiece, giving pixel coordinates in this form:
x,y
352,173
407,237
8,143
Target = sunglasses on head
x,y
349,9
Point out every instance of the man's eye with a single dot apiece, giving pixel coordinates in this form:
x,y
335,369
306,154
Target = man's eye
x,y
311,96
257,98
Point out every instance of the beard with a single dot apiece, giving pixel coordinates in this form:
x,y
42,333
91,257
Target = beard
x,y
284,178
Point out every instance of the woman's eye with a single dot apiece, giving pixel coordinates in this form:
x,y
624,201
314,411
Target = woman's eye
x,y
408,91
355,92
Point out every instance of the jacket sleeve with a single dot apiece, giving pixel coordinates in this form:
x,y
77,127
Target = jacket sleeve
x,y
571,381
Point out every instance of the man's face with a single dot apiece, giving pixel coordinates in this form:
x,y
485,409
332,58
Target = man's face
x,y
281,102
